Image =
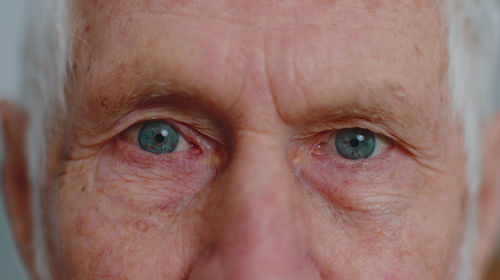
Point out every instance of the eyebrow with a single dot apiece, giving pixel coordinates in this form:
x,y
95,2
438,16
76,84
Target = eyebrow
x,y
107,101
111,91
384,112
384,104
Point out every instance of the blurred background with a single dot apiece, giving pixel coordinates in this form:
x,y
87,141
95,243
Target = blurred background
x,y
12,24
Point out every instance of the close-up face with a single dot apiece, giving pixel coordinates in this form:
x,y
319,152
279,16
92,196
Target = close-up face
x,y
220,140
256,140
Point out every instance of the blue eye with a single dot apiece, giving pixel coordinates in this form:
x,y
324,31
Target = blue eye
x,y
158,138
355,143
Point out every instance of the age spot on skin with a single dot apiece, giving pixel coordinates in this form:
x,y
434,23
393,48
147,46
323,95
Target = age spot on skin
x,y
102,101
141,226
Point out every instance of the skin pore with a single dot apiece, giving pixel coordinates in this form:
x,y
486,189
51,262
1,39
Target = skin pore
x,y
257,90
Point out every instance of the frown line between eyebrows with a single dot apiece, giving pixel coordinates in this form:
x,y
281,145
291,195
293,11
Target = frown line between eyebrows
x,y
386,105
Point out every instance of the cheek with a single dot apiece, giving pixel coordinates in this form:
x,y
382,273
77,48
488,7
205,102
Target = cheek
x,y
147,182
422,238
98,237
391,276
99,242
395,219
113,217
377,188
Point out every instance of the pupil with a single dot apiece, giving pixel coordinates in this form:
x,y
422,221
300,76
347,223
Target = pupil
x,y
159,138
354,142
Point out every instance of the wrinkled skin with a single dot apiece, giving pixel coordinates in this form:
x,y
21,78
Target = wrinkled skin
x,y
257,89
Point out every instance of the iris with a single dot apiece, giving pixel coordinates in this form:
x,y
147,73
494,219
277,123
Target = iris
x,y
355,143
157,138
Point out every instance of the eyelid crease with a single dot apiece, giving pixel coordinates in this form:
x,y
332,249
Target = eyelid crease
x,y
376,126
198,129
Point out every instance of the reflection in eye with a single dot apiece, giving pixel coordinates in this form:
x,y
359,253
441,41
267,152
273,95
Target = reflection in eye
x,y
355,143
157,138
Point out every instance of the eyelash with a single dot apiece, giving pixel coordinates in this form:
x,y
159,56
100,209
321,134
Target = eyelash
x,y
187,141
326,147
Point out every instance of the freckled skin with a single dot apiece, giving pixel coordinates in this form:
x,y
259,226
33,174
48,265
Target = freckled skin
x,y
258,202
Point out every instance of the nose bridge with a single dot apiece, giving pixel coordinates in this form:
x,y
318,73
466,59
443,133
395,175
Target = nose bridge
x,y
259,237
260,189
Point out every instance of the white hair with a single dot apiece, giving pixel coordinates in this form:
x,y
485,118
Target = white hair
x,y
473,47
42,91
473,30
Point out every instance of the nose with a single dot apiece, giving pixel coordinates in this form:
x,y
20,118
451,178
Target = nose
x,y
258,233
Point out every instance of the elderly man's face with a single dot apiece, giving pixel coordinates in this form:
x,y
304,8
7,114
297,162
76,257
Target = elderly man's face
x,y
256,140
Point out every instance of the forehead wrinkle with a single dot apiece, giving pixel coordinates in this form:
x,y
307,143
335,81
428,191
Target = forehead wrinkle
x,y
92,13
263,13
118,25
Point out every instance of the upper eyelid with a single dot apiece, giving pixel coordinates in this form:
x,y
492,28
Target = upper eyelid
x,y
326,127
378,135
125,124
181,129
191,135
384,139
187,125
328,134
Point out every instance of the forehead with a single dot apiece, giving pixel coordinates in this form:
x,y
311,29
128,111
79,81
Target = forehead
x,y
316,51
